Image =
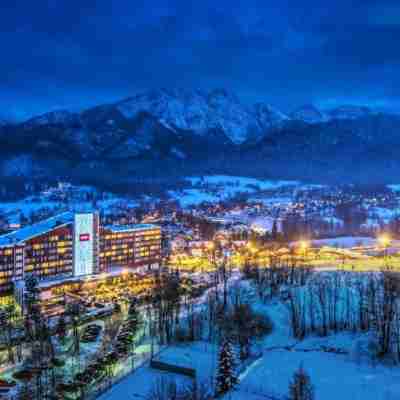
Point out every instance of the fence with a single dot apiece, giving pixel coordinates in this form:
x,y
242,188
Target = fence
x,y
176,369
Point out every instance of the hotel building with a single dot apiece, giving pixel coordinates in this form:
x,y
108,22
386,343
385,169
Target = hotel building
x,y
131,246
74,246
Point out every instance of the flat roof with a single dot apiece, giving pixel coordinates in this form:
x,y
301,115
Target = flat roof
x,y
31,231
130,228
37,229
116,271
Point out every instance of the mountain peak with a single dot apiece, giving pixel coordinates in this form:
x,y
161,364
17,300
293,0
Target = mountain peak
x,y
268,117
308,113
196,111
222,95
349,111
57,117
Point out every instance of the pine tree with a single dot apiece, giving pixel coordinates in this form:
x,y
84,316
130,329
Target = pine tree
x,y
301,387
31,293
133,317
226,378
61,329
274,231
74,311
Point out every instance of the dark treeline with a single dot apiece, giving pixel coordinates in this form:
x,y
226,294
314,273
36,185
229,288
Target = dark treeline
x,y
323,304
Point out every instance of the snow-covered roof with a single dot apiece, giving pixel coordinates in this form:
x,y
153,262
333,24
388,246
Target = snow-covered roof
x,y
130,228
59,280
39,228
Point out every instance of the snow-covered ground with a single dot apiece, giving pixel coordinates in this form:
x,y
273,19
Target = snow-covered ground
x,y
334,376
240,181
347,376
346,242
277,201
214,188
13,210
141,383
194,197
201,356
394,187
26,206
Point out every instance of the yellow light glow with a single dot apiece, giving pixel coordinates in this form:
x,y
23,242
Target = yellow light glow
x,y
384,240
251,246
304,245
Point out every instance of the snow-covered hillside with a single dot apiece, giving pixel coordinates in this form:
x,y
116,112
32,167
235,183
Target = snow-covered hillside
x,y
214,188
63,117
194,110
309,114
349,112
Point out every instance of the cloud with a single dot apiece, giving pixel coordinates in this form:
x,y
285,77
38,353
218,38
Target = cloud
x,y
285,52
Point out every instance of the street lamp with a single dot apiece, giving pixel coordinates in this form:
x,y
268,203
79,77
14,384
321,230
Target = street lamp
x,y
125,273
251,252
384,240
304,245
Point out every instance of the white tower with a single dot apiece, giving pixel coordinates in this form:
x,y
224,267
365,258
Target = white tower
x,y
86,243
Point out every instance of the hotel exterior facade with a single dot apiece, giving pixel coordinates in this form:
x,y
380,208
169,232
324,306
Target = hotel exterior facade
x,y
75,245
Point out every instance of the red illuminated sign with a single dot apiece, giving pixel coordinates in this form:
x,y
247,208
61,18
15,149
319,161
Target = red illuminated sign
x,y
84,237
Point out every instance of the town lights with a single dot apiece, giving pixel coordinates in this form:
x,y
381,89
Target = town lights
x,y
384,240
252,247
211,246
125,272
253,250
304,245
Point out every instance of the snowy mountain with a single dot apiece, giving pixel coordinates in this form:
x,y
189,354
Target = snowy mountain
x,y
164,131
350,112
199,112
5,120
268,117
309,114
59,117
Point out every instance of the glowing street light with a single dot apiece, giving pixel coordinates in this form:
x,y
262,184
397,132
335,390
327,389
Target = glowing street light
x,y
384,240
125,272
252,248
210,246
304,245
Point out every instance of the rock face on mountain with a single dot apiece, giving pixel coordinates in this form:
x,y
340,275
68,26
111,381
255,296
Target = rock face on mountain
x,y
203,130
362,148
309,114
314,115
350,112
155,123
199,113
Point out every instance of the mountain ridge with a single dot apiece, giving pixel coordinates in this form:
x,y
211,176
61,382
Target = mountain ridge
x,y
195,129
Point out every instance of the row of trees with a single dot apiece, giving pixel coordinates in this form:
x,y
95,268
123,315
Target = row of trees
x,y
300,387
225,317
41,348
